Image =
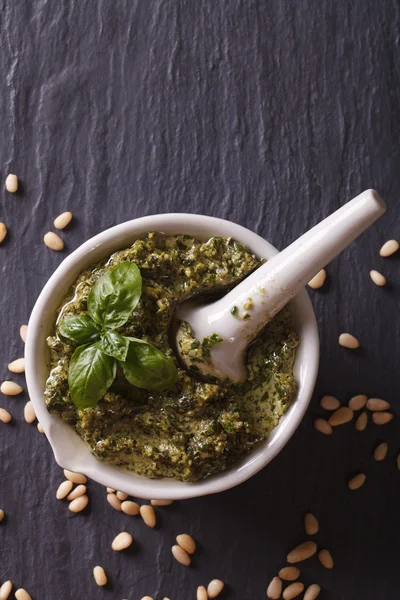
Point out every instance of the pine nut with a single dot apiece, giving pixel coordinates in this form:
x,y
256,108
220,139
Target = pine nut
x,y
62,220
17,366
110,491
40,428
5,590
362,421
380,451
78,491
323,426
201,593
64,489
2,515
148,515
114,501
29,412
10,388
53,241
100,576
318,280
161,503
214,588
330,403
377,278
302,552
289,573
181,555
357,481
312,592
358,402
147,598
75,477
310,524
78,504
342,415
121,496
3,232
398,461
11,183
22,594
130,508
274,589
389,248
348,341
376,404
23,330
381,418
122,541
293,590
186,542
325,558
5,416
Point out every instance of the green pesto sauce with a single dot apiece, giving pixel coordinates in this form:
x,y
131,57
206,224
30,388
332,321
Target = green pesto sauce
x,y
197,428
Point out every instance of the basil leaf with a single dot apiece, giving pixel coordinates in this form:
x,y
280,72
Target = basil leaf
x,y
114,344
79,329
115,295
147,367
91,372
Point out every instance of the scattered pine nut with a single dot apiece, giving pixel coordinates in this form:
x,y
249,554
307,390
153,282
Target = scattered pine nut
x,y
181,555
362,421
23,330
380,451
29,412
122,541
302,552
17,366
312,592
53,241
161,503
348,341
378,278
3,232
389,248
289,573
214,588
310,524
22,594
111,490
78,504
358,402
5,590
2,514
147,598
114,501
40,428
293,590
148,515
376,404
318,280
75,477
11,183
342,415
80,490
323,426
186,542
398,461
64,489
381,418
357,481
330,403
121,496
10,388
201,593
274,589
130,508
325,558
62,220
5,416
100,576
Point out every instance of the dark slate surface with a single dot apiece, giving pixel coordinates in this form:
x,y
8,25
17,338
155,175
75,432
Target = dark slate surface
x,y
271,114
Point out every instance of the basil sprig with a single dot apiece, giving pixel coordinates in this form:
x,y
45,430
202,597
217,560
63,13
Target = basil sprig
x,y
93,365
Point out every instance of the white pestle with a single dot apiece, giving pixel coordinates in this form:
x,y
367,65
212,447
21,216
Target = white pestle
x,y
270,287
